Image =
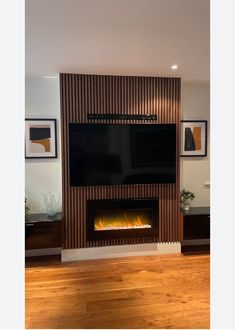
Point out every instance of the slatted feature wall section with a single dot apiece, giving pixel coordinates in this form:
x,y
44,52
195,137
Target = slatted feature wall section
x,y
83,94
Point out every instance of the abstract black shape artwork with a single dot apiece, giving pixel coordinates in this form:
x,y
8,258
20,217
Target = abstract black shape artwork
x,y
193,138
189,143
40,138
39,133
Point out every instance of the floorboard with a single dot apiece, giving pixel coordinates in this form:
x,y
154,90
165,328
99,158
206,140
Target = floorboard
x,y
161,292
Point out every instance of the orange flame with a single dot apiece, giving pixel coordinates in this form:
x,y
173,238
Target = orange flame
x,y
121,222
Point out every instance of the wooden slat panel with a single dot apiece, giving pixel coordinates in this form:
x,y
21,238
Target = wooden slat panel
x,y
81,94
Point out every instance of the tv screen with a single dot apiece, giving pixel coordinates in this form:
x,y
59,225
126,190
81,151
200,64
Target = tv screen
x,y
117,154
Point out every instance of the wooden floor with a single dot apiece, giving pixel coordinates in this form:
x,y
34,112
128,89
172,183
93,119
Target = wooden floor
x,y
170,291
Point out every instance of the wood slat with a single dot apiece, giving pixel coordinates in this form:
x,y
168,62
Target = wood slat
x,y
81,94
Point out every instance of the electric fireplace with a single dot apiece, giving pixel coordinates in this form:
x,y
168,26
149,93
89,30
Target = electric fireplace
x,y
122,218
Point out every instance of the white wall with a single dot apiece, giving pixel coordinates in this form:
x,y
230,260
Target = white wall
x,y
42,175
195,172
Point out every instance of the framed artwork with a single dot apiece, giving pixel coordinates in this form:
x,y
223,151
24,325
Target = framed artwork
x,y
193,138
40,138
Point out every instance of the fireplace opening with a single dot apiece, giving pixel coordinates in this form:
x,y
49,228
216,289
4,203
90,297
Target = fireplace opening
x,y
108,219
119,220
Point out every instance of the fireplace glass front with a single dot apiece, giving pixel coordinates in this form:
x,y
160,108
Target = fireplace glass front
x,y
122,218
119,219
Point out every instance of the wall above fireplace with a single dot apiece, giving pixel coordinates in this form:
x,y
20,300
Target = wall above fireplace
x,y
85,94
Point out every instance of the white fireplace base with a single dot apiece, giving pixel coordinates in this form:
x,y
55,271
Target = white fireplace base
x,y
117,251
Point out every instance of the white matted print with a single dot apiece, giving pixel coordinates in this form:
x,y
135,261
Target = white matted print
x,y
40,138
193,138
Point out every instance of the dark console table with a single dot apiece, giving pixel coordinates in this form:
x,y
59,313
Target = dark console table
x,y
43,233
194,229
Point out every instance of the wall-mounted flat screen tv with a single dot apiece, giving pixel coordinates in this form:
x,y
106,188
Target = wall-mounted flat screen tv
x,y
121,154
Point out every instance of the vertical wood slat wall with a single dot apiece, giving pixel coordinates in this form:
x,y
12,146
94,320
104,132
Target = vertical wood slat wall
x,y
83,94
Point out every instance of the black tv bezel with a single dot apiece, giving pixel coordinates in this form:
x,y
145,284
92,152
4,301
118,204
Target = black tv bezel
x,y
121,184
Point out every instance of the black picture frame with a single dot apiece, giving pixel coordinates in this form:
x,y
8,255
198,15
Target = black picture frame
x,y
190,141
51,130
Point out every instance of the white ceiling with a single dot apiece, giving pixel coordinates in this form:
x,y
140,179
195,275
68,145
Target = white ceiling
x,y
125,37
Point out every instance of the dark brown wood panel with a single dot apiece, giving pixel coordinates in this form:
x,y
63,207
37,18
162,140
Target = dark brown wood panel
x,y
44,235
83,94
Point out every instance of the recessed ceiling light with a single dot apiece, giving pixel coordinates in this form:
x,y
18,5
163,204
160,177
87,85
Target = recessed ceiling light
x,y
49,77
174,67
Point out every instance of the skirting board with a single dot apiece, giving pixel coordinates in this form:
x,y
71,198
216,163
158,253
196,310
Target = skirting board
x,y
43,252
118,251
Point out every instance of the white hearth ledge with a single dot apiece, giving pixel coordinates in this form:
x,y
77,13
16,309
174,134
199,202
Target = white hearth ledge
x,y
117,251
43,252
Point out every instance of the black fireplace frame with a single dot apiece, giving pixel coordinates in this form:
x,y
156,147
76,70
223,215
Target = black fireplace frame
x,y
128,203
